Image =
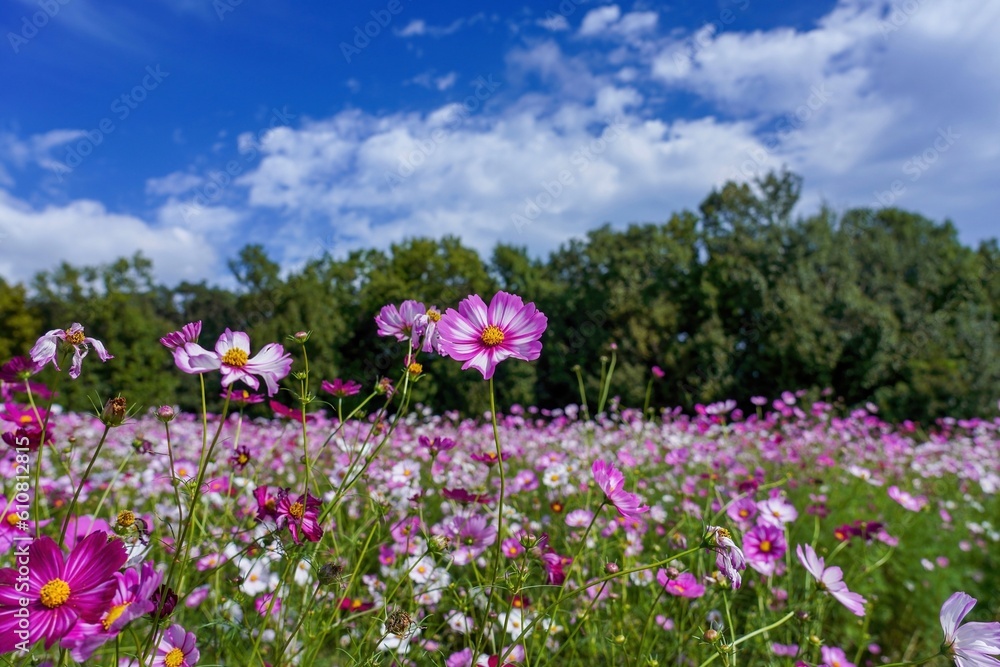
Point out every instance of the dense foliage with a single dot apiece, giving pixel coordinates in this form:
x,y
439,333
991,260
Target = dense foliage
x,y
735,300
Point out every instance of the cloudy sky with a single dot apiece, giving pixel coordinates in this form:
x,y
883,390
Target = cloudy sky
x,y
188,128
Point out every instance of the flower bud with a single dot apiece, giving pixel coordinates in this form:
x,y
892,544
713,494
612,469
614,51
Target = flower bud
x,y
301,337
711,635
611,568
165,414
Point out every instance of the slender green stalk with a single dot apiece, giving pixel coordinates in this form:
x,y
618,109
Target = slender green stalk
x,y
606,384
583,392
79,485
499,540
767,628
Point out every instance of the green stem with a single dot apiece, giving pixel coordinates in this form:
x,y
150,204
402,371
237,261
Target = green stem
x,y
79,486
499,541
565,595
784,619
583,393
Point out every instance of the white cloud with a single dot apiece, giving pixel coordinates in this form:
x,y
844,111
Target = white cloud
x,y
84,232
598,20
176,183
554,23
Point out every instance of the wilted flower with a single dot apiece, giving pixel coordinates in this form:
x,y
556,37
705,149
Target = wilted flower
x,y
46,349
729,558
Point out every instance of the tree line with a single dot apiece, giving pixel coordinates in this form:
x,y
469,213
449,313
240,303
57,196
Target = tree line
x,y
738,299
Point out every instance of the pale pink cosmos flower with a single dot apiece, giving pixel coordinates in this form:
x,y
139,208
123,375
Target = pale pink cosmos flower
x,y
830,579
612,482
972,644
232,357
46,348
776,512
406,322
484,336
834,657
912,503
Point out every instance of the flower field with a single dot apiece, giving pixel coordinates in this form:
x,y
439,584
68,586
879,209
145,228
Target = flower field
x,y
362,529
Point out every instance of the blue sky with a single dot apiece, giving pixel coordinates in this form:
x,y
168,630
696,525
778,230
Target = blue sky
x,y
187,128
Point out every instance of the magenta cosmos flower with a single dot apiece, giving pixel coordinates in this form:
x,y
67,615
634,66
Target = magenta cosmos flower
x,y
612,483
176,649
403,323
972,644
340,388
684,585
830,579
764,545
231,356
484,336
300,516
60,591
132,599
46,348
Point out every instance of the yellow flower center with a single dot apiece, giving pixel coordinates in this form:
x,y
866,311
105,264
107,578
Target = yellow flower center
x,y
126,518
174,658
74,337
415,368
433,315
234,356
13,519
114,614
25,419
765,546
54,594
243,459
491,336
297,510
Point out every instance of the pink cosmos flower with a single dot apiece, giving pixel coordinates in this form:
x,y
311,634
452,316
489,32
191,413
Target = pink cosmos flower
x,y
834,657
764,546
176,649
61,590
685,585
404,322
830,579
776,512
612,483
231,356
340,389
484,336
46,348
301,516
19,369
912,503
132,599
972,644
471,535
